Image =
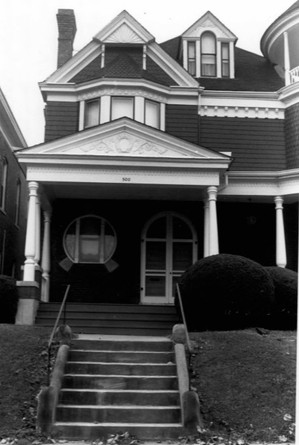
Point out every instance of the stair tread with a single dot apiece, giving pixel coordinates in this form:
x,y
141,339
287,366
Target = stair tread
x,y
141,391
122,376
116,407
118,424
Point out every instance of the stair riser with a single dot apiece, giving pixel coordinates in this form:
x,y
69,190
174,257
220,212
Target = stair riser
x,y
123,383
118,398
88,432
153,332
115,415
120,369
106,345
121,357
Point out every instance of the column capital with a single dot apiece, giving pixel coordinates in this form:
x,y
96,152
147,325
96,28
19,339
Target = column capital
x,y
212,192
279,202
33,187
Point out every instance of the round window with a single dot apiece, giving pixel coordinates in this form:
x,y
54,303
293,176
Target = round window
x,y
90,239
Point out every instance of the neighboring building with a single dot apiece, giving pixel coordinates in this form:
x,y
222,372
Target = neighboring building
x,y
157,155
13,195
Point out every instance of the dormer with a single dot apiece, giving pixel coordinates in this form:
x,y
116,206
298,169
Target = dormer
x,y
208,49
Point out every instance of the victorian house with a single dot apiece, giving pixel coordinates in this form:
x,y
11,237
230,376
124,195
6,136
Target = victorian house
x,y
156,155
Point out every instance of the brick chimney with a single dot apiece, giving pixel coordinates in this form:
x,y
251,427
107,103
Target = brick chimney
x,y
66,34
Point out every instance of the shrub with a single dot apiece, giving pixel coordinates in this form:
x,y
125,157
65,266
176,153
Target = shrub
x,y
226,292
284,309
8,299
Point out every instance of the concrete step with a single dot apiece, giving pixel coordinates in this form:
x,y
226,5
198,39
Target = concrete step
x,y
92,431
112,413
125,343
119,397
102,381
137,369
113,308
81,355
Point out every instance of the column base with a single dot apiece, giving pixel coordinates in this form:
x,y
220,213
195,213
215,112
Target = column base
x,y
29,296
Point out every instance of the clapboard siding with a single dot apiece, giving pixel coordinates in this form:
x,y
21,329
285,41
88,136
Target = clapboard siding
x,y
182,121
256,144
61,119
292,136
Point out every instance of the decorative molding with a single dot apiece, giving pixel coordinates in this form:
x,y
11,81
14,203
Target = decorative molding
x,y
124,34
120,91
252,112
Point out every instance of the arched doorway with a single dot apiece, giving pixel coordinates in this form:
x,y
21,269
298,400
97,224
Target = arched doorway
x,y
168,247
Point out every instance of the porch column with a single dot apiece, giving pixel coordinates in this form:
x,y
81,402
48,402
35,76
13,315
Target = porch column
x,y
30,244
281,256
46,263
213,226
206,243
287,65
37,234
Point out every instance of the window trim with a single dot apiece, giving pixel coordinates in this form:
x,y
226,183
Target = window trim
x,y
18,203
3,184
191,59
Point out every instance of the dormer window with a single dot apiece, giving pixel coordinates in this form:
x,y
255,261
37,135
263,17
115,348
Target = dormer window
x,y
208,55
208,49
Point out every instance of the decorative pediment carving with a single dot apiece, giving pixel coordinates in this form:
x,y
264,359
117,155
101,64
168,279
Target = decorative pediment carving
x,y
123,34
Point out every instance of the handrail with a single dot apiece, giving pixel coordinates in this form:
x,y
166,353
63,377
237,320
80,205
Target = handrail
x,y
55,327
183,317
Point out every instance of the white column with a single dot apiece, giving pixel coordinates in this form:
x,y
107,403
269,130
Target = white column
x,y
29,265
281,255
46,260
37,233
213,226
287,65
206,244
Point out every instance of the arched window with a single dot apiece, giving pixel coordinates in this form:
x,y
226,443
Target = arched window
x,y
90,239
208,54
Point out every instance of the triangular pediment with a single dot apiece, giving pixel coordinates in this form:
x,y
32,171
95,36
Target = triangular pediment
x,y
123,138
124,29
208,22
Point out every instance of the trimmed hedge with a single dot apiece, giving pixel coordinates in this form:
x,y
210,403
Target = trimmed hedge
x,y
284,309
8,299
226,292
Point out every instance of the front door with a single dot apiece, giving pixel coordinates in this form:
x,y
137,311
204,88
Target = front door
x,y
168,248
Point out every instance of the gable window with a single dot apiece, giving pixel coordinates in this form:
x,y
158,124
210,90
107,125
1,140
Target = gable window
x,y
92,113
152,113
3,182
122,107
225,59
191,58
208,54
90,239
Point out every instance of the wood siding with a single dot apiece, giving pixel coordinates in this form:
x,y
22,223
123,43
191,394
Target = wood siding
x,y
182,121
256,144
292,136
62,119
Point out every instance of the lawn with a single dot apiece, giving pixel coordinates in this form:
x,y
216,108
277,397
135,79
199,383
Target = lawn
x,y
246,382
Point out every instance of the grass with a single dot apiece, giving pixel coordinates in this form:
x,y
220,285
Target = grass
x,y
246,382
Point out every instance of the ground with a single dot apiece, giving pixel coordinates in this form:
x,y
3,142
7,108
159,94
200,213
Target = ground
x,y
245,380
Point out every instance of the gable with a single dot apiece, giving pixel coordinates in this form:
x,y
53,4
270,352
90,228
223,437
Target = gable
x,y
127,37
123,138
124,62
208,22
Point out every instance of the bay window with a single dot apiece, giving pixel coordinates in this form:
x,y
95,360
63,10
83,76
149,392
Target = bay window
x,y
152,113
122,107
92,113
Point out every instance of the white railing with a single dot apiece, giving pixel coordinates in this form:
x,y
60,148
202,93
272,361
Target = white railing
x,y
294,75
